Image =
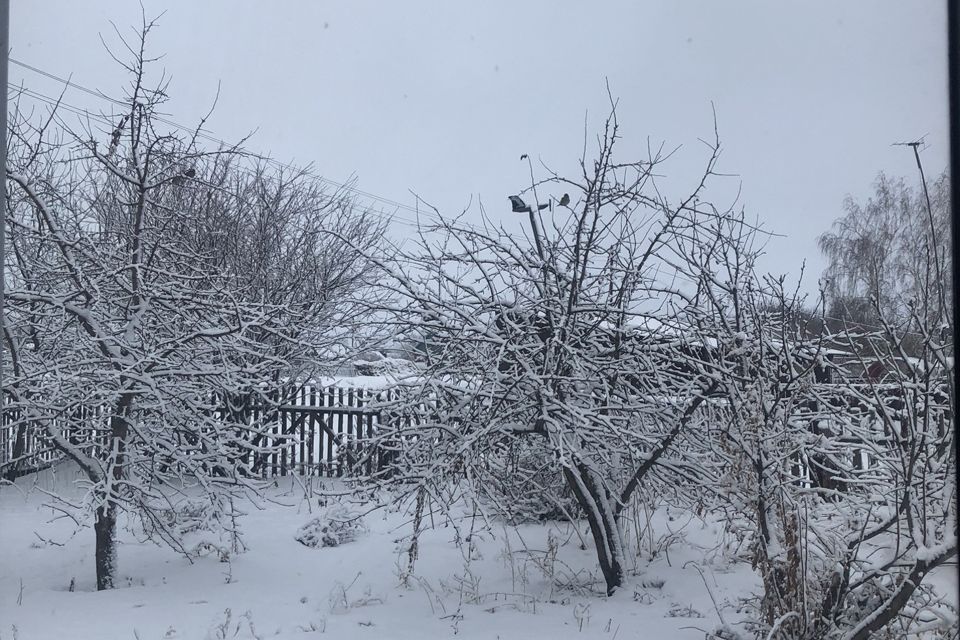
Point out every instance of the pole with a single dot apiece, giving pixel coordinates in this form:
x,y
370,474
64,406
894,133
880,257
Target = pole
x,y
953,65
4,64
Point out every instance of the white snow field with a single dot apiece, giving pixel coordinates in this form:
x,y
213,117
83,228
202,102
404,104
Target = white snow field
x,y
534,582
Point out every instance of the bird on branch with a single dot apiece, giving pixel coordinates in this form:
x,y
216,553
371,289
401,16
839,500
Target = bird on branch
x,y
187,173
115,136
564,199
519,206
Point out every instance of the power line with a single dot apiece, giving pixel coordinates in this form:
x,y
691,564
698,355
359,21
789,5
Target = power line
x,y
36,95
411,223
200,133
66,82
82,112
431,215
85,113
204,135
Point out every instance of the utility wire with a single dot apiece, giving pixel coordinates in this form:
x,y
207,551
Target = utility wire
x,y
277,163
102,119
204,136
99,117
432,215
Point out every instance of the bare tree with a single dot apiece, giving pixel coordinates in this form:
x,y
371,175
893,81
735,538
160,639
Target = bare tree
x,y
127,328
278,236
844,558
570,338
283,237
879,250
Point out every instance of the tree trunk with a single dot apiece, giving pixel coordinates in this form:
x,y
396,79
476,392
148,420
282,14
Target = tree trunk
x,y
891,608
600,514
105,527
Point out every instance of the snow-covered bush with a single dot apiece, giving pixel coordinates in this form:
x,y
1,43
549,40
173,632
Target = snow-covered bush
x,y
528,486
189,516
373,363
338,525
841,539
187,524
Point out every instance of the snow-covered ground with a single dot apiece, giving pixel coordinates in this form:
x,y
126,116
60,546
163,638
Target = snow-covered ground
x,y
536,582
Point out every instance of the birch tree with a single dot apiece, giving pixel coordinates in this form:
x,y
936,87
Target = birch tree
x,y
872,250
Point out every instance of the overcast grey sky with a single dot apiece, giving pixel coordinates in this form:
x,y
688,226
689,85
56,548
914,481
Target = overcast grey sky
x,y
442,98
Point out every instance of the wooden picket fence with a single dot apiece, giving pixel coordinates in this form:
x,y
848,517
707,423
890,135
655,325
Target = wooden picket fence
x,y
321,428
309,430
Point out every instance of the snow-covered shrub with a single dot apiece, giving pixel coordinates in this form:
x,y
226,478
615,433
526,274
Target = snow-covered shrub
x,y
374,363
187,516
841,545
528,486
338,525
197,515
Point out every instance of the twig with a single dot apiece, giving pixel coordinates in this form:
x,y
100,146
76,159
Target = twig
x,y
709,591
